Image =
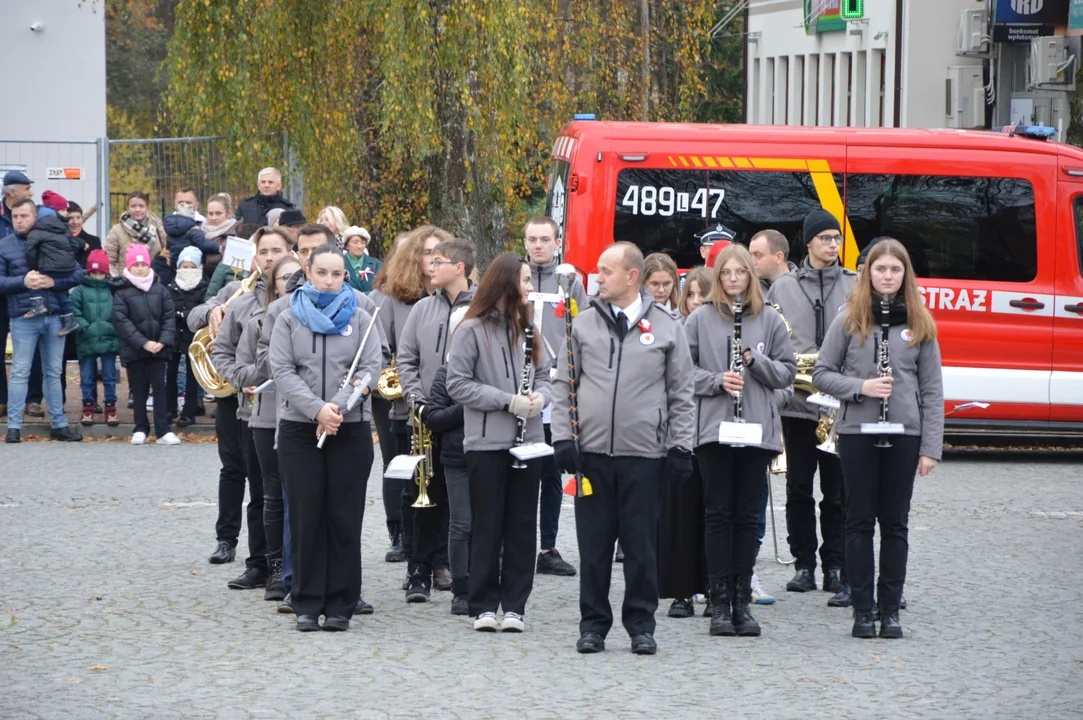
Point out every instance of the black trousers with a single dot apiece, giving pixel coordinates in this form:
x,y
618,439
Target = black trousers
x,y
802,458
192,390
733,479
231,484
879,486
626,506
142,376
428,529
257,537
389,448
264,441
504,509
401,434
326,488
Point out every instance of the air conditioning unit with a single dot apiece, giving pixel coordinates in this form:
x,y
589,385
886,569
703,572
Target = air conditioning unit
x,y
1051,64
973,37
964,99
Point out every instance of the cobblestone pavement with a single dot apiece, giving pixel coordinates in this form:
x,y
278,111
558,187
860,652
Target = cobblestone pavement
x,y
108,607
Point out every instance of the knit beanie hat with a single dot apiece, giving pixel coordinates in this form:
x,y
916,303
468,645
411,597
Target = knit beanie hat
x,y
816,222
136,254
190,254
97,261
54,201
716,249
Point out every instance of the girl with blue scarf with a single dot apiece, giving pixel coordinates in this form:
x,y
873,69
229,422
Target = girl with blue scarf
x,y
312,347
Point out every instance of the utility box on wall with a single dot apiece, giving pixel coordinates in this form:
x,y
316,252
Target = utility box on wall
x,y
964,97
1051,64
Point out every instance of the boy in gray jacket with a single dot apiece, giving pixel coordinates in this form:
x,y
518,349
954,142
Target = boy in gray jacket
x,y
637,424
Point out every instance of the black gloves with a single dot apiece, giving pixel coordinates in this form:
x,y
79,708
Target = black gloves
x,y
678,467
567,456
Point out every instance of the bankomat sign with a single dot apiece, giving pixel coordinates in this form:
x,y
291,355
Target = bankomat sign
x,y
1023,20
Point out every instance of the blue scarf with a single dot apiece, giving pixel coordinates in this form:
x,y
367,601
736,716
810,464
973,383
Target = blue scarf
x,y
323,313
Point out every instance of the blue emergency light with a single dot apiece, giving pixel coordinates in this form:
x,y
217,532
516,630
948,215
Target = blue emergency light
x,y
1033,132
584,116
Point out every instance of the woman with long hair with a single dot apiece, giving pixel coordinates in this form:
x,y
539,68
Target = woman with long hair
x,y
726,392
249,374
402,281
660,278
880,468
137,225
325,485
486,373
335,220
697,288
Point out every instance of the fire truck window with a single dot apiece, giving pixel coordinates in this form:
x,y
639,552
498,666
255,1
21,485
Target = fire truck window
x,y
963,228
556,196
664,210
1077,206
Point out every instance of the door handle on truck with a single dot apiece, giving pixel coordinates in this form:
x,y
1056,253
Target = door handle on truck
x,y
1077,309
1027,304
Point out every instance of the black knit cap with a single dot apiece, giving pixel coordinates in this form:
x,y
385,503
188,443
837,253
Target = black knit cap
x,y
816,222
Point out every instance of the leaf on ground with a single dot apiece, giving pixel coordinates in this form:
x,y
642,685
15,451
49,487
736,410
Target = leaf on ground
x,y
98,667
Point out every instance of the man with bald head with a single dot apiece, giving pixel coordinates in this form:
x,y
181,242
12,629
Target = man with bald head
x,y
636,424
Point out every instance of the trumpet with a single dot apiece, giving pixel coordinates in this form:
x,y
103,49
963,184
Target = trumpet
x,y
421,444
388,385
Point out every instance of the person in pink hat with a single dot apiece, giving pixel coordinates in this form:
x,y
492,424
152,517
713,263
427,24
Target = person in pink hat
x,y
145,322
96,342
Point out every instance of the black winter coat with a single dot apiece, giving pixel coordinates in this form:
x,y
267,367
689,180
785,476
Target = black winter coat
x,y
87,242
184,232
142,316
50,248
184,301
254,209
445,417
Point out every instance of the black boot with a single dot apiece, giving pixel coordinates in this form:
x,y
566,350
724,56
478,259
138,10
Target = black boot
x,y
843,598
742,619
275,589
832,580
804,580
721,619
864,625
890,628
395,553
37,307
459,591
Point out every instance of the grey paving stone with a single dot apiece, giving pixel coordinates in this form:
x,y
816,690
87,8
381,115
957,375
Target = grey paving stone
x,y
108,608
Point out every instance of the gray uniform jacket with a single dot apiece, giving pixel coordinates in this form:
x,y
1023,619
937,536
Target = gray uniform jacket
x,y
544,279
308,368
917,396
423,344
636,394
197,318
810,299
250,372
224,349
485,369
772,368
392,321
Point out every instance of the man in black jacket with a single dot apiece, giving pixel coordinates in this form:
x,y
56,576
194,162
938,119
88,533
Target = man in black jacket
x,y
254,209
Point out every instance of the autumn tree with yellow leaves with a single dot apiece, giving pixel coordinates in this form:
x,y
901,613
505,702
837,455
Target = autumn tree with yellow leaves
x,y
411,111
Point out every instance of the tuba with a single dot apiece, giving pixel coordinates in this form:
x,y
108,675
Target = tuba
x,y
199,352
420,444
388,385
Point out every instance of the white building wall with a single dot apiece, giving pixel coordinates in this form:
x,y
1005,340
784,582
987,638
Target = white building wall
x,y
849,76
61,101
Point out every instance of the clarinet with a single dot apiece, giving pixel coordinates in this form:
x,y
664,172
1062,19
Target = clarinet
x,y
524,389
883,360
737,363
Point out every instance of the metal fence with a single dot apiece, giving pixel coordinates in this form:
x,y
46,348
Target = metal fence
x,y
160,167
103,173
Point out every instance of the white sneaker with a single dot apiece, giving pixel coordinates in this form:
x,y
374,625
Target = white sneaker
x,y
169,439
139,438
759,595
486,622
513,622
